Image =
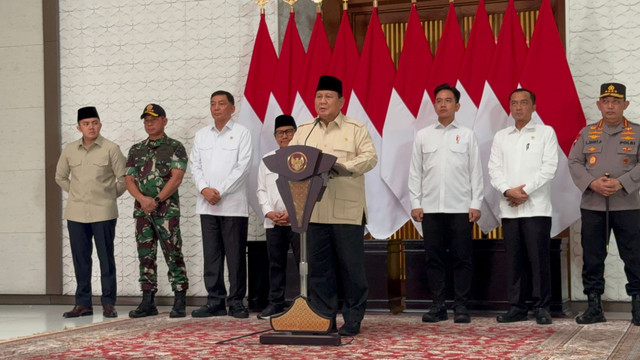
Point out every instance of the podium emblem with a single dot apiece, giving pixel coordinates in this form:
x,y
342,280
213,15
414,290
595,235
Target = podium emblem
x,y
297,162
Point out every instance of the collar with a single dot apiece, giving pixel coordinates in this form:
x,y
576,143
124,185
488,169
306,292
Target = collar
x,y
338,121
98,141
157,142
624,123
454,124
229,125
529,127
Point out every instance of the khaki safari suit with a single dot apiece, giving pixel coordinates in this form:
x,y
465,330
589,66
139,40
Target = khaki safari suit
x,y
336,230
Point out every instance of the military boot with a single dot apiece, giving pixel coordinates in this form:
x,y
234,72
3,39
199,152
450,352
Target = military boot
x,y
147,307
635,310
594,313
179,304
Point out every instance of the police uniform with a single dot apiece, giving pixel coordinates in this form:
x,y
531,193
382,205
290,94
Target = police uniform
x,y
150,163
600,149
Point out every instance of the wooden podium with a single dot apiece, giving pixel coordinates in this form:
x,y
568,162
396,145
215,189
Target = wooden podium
x,y
303,175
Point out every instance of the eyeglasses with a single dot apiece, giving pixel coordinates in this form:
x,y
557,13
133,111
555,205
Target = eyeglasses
x,y
287,132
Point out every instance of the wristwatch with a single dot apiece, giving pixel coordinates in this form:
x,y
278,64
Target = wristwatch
x,y
157,199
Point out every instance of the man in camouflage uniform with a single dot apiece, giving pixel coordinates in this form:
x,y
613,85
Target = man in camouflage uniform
x,y
155,168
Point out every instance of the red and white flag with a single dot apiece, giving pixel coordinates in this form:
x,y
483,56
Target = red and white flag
x,y
546,67
256,97
369,102
493,113
400,126
345,59
285,84
448,59
475,66
316,64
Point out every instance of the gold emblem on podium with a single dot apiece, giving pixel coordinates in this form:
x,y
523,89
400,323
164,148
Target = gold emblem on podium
x,y
297,162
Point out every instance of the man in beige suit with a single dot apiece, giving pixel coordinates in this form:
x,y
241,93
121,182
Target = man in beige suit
x,y
91,170
336,231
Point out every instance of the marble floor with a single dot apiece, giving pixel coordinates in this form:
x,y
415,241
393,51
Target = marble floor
x,y
25,320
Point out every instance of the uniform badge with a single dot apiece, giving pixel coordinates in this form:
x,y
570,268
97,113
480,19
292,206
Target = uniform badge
x,y
592,160
297,162
625,160
594,136
346,139
626,149
457,139
592,149
628,138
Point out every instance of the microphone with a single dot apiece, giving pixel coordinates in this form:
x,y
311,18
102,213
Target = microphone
x,y
315,122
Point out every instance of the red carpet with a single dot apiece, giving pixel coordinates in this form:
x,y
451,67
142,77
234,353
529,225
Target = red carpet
x,y
383,337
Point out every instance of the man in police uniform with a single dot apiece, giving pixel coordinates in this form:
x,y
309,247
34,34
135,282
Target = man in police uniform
x,y
605,165
155,168
336,229
91,170
276,222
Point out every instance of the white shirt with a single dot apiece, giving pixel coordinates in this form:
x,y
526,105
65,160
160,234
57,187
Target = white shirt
x,y
221,160
445,175
268,195
528,156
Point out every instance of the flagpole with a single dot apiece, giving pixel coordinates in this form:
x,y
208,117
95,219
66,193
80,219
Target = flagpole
x,y
318,5
345,4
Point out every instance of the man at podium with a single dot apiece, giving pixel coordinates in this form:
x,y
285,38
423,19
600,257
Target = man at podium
x,y
335,236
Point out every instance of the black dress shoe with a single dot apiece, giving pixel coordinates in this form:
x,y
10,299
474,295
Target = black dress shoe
x,y
461,315
208,310
109,311
350,328
514,314
77,311
543,317
271,309
436,313
238,311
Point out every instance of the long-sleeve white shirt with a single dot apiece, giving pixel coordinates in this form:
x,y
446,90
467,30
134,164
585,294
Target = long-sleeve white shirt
x,y
221,160
268,195
528,156
445,175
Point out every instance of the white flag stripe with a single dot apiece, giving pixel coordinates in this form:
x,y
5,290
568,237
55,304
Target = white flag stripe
x,y
385,213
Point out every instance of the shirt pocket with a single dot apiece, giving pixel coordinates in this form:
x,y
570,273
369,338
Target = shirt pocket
x,y
591,154
628,155
344,150
348,199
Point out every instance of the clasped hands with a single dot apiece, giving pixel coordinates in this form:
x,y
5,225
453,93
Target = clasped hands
x,y
516,196
211,195
278,218
605,186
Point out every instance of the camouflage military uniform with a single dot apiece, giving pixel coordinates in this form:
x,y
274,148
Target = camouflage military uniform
x,y
150,163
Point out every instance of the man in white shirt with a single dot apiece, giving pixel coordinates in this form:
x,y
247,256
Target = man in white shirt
x,y
523,161
276,222
445,187
220,161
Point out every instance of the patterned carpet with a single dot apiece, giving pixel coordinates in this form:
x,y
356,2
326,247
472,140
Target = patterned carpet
x,y
383,336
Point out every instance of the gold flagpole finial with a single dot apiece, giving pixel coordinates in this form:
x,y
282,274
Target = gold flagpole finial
x,y
318,5
375,3
345,4
413,1
262,3
291,3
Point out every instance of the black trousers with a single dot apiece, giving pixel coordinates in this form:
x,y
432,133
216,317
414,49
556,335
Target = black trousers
x,y
336,256
224,236
527,241
80,234
626,227
279,238
448,233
